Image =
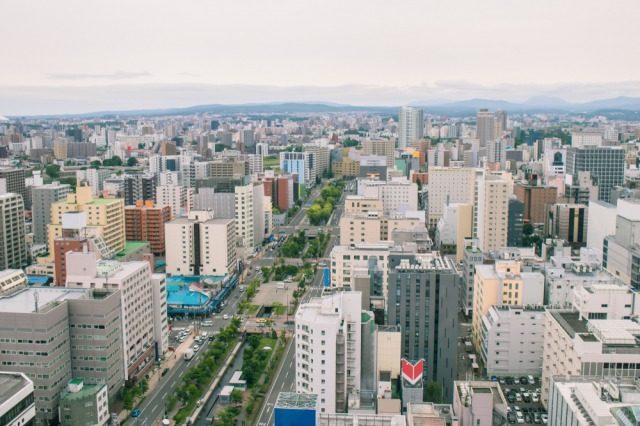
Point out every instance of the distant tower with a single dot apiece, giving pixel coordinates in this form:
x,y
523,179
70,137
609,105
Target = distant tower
x,y
485,127
411,126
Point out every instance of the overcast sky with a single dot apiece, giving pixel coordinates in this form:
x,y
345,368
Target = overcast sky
x,y
446,48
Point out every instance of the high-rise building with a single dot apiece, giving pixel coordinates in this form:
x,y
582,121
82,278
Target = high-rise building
x,y
145,222
201,245
568,222
621,251
13,246
145,335
501,122
14,182
515,223
104,217
179,198
382,147
587,136
397,195
321,154
605,164
139,188
485,127
410,126
449,185
423,301
93,177
42,198
302,164
328,349
536,199
249,215
494,190
373,227
69,331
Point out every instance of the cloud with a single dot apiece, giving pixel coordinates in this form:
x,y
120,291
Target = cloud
x,y
117,75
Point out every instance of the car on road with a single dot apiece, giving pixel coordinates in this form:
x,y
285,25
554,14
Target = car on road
x,y
207,323
196,348
225,317
136,412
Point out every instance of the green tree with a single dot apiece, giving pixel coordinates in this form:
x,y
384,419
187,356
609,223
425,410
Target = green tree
x,y
236,396
96,164
53,171
433,392
132,162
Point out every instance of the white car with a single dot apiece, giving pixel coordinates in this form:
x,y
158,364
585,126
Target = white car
x,y
225,317
519,417
196,348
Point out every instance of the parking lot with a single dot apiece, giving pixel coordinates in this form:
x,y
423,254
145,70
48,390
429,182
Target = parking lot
x,y
524,398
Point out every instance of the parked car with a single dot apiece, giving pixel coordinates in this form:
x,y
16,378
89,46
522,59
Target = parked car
x,y
136,412
535,398
530,380
511,417
518,397
526,397
196,348
545,419
537,419
528,418
520,417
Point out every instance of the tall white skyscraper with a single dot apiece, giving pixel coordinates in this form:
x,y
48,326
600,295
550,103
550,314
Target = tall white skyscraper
x,y
411,126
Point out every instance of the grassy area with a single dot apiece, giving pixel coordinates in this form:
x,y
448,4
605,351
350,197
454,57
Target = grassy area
x,y
279,309
245,304
270,162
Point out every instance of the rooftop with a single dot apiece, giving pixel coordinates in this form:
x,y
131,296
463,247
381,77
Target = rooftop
x,y
24,300
570,321
10,384
86,391
131,247
296,400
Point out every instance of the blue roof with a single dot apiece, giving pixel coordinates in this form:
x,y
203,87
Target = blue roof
x,y
38,279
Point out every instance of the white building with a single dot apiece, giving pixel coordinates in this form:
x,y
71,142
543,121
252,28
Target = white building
x,y
345,260
11,279
448,185
601,223
478,403
621,251
397,195
574,346
17,403
328,345
94,177
179,198
586,137
512,340
249,215
586,401
410,126
141,324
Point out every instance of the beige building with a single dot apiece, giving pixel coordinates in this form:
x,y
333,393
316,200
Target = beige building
x,y
382,147
448,185
346,260
354,204
494,190
503,284
104,217
373,227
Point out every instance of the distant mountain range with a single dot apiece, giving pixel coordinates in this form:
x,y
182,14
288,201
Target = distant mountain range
x,y
627,106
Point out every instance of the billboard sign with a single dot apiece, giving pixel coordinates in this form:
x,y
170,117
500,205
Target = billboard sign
x,y
412,371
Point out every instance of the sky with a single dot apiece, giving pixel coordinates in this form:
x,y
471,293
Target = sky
x,y
82,55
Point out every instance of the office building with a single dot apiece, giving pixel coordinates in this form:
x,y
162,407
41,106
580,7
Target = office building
x,y
423,301
321,154
621,251
577,346
485,127
345,260
479,403
536,199
601,222
328,349
494,191
17,401
13,181
103,217
13,246
381,147
11,279
52,334
301,164
605,164
568,222
84,404
201,245
145,222
586,136
410,126
515,225
449,185
42,198
397,195
512,340
503,284
497,152
136,285
582,401
373,227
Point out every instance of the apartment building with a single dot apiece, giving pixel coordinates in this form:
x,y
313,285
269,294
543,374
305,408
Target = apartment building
x,y
382,147
302,164
357,204
12,180
42,197
201,245
422,299
512,340
93,178
104,217
410,126
345,260
145,222
502,284
178,198
472,256
52,334
13,246
455,225
249,215
137,285
321,154
328,349
494,191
